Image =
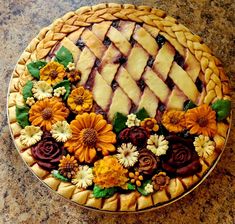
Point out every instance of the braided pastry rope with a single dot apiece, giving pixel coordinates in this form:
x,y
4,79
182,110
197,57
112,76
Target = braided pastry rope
x,y
180,37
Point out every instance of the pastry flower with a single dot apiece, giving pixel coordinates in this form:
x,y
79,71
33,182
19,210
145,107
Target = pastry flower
x,y
30,101
149,188
90,133
157,144
109,172
160,181
136,178
71,66
128,155
61,131
174,120
84,177
201,120
60,91
41,90
80,100
150,124
45,113
74,76
68,166
204,146
52,73
132,120
30,135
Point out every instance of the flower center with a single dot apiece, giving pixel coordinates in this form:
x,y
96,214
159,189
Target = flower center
x,y
126,153
54,74
47,113
174,120
202,121
79,100
149,124
90,137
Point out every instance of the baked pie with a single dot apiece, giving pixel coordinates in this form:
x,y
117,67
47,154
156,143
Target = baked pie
x,y
119,107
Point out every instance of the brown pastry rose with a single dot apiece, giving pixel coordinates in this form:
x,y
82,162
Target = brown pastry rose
x,y
147,162
181,158
138,136
47,152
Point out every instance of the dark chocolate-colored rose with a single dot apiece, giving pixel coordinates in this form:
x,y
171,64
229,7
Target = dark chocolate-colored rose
x,y
181,158
47,152
147,161
138,136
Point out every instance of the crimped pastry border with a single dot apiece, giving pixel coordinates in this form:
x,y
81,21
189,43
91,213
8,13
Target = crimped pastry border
x,y
217,87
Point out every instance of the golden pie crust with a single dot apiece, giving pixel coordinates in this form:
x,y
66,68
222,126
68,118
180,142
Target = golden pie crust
x,y
73,25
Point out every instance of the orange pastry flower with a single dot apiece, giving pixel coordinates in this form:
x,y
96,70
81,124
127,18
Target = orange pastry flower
x,y
80,100
201,120
52,73
109,172
45,113
150,124
174,120
90,133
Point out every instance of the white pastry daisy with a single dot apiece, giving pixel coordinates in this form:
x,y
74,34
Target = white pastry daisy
x,y
30,101
127,154
157,144
149,188
61,131
30,135
60,91
41,90
71,66
132,120
204,146
84,177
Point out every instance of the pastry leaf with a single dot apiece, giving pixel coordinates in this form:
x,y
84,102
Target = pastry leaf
x,y
27,90
189,105
57,175
66,85
64,56
131,187
141,188
99,192
34,68
22,116
222,108
119,122
142,114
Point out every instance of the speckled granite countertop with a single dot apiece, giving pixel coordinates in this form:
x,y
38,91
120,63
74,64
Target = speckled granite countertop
x,y
23,199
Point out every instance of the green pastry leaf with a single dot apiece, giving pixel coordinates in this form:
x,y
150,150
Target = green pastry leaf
x,y
66,85
27,90
64,56
57,175
142,114
22,116
131,187
222,108
34,68
141,188
119,122
189,105
99,192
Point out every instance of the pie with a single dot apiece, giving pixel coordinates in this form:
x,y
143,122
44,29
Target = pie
x,y
119,107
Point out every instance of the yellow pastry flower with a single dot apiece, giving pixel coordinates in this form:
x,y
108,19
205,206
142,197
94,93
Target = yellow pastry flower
x,y
201,120
204,146
61,131
150,124
42,90
157,144
52,73
45,113
80,100
109,172
30,135
68,166
174,120
90,133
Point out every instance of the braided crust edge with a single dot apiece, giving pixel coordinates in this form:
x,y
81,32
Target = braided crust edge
x,y
217,87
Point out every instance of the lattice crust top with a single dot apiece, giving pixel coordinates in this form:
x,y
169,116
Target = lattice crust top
x,y
139,57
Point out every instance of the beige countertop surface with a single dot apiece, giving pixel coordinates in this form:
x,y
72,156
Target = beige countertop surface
x,y
23,199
